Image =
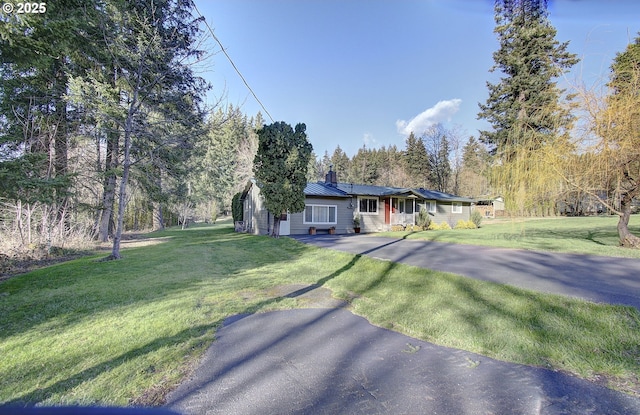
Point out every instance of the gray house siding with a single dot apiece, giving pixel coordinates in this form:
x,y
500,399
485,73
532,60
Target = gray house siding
x,y
344,216
371,222
444,213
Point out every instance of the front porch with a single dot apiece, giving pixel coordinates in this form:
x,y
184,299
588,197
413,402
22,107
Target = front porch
x,y
401,210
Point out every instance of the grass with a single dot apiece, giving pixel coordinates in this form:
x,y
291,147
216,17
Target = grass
x,y
125,332
584,235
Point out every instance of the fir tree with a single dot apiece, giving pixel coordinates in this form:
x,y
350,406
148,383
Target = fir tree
x,y
523,108
341,164
417,161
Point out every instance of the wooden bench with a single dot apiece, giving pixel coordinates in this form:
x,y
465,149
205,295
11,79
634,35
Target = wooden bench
x,y
327,230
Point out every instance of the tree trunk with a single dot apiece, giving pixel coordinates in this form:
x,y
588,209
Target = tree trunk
x,y
109,187
60,160
275,232
122,197
126,167
158,218
627,239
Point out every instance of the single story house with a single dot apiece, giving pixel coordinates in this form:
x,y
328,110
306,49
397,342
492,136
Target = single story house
x,y
331,204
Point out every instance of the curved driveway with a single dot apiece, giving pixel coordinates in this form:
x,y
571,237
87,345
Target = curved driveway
x,y
328,361
594,278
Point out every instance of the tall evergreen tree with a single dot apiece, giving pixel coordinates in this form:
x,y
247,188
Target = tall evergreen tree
x,y
281,168
394,171
39,52
226,129
152,48
364,166
523,107
417,161
473,175
341,164
322,166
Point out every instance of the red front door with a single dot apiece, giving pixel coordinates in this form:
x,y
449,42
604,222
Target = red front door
x,y
387,211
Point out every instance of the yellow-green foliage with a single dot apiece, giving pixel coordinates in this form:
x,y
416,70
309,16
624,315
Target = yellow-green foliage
x,y
476,218
465,224
442,227
397,228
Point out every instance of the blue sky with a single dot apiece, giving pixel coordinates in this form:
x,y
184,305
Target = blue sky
x,y
369,71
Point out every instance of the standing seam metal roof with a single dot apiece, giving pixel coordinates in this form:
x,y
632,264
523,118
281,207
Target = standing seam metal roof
x,y
350,189
322,189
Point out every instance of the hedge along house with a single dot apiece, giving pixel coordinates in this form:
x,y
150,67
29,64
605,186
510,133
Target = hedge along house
x,y
331,204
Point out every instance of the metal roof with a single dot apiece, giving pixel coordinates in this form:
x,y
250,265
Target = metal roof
x,y
322,189
350,189
370,190
435,195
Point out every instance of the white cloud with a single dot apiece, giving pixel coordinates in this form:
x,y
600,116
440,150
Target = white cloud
x,y
369,140
442,111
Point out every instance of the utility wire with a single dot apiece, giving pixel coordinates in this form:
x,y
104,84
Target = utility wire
x,y
231,61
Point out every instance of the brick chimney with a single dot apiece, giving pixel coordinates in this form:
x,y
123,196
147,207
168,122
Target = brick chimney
x,y
331,178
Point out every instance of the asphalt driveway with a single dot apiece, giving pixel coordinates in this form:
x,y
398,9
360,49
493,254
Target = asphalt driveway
x,y
329,361
599,279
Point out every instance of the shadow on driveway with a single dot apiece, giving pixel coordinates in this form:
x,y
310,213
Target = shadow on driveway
x,y
329,361
594,278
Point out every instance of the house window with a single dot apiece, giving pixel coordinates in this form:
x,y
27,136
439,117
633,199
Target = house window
x,y
368,205
431,206
320,214
456,207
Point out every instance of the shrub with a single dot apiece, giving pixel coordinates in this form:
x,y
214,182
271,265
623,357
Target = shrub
x,y
476,218
465,224
356,220
236,207
424,220
442,227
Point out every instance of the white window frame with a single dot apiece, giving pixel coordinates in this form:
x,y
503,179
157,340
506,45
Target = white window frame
x,y
456,207
431,206
312,206
369,198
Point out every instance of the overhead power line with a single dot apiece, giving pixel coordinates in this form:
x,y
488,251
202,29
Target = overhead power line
x,y
232,63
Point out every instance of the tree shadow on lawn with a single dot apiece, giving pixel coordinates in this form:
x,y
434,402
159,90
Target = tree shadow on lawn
x,y
510,314
157,395
335,388
65,294
534,324
500,314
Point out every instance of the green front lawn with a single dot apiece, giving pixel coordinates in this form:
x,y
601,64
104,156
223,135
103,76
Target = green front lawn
x,y
125,332
585,235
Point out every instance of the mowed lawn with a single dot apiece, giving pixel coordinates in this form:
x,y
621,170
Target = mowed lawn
x,y
584,235
126,332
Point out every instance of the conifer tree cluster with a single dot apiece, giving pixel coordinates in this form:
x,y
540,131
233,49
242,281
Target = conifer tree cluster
x,y
100,105
438,159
